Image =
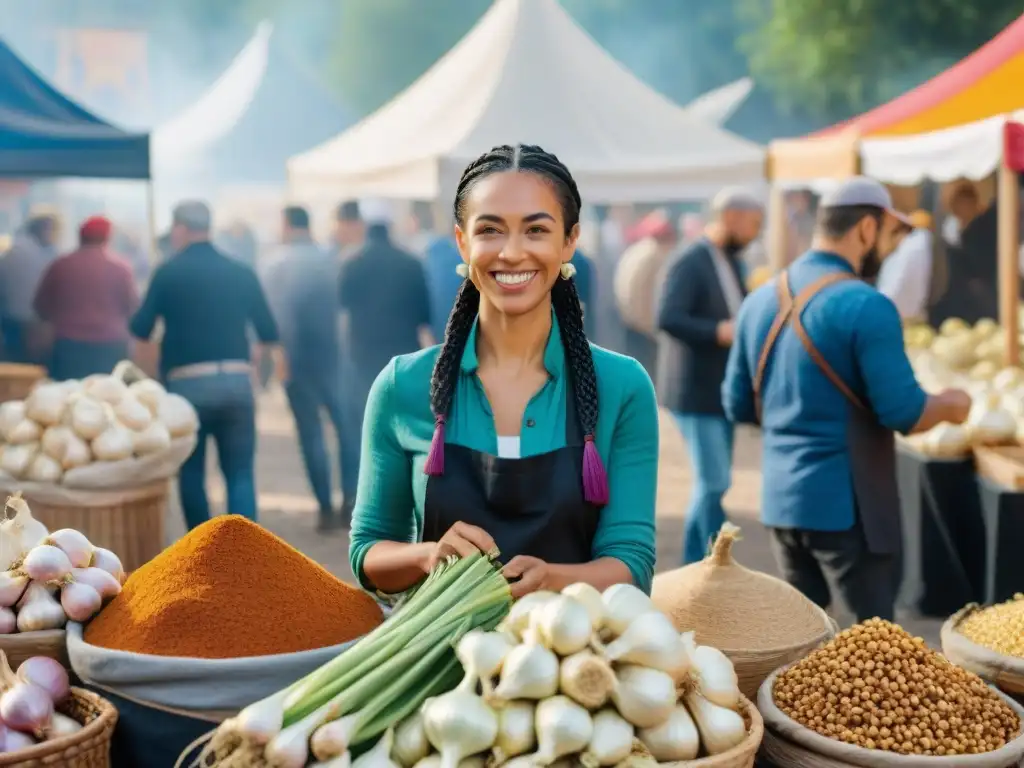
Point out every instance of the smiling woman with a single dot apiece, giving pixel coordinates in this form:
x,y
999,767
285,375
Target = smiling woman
x,y
516,432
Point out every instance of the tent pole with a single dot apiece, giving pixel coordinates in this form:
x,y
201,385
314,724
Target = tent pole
x,y
1008,212
154,250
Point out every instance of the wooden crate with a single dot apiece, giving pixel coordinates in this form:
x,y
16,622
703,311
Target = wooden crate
x,y
17,380
1002,464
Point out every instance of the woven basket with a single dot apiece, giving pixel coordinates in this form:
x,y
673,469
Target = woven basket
x,y
133,528
1006,672
787,744
740,756
89,748
17,380
735,609
51,643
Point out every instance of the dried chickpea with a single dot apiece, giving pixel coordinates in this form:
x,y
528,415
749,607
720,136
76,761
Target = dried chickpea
x,y
999,628
899,696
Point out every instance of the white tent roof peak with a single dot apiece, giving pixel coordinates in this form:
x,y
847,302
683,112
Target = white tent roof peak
x,y
528,73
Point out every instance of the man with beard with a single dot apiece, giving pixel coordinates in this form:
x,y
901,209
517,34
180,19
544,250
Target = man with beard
x,y
702,293
818,361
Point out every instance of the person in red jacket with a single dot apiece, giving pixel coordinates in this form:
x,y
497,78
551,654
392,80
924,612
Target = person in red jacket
x,y
87,297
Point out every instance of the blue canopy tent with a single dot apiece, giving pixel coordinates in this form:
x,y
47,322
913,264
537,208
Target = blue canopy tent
x,y
45,134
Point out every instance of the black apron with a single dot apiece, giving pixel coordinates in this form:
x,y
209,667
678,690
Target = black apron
x,y
872,447
531,506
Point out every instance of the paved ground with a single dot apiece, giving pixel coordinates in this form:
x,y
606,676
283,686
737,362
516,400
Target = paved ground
x,y
287,507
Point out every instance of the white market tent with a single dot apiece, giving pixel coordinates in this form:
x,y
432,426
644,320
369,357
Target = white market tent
x,y
972,151
528,73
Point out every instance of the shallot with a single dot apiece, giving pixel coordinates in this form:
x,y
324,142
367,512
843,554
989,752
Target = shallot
x,y
98,579
80,601
26,707
73,544
109,562
15,741
38,610
8,621
47,674
459,724
46,562
12,587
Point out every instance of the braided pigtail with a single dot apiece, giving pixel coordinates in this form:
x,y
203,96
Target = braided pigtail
x,y
569,312
446,370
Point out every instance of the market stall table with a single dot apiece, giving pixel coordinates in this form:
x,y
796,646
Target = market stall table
x,y
943,532
1001,486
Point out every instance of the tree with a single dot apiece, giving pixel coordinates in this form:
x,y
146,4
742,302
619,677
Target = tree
x,y
847,56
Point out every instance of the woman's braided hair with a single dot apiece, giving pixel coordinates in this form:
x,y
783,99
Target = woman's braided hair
x,y
564,299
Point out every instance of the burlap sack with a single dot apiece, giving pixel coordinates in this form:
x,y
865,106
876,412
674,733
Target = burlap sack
x,y
1006,672
101,475
793,746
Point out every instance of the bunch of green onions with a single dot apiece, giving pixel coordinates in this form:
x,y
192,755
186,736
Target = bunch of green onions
x,y
383,678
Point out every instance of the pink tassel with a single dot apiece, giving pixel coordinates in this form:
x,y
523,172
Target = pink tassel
x,y
435,458
595,479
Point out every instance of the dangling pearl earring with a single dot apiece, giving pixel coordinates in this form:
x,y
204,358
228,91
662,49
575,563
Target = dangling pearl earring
x,y
567,270
462,270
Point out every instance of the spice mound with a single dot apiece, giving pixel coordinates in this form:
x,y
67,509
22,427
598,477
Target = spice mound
x,y
231,589
733,608
999,628
877,687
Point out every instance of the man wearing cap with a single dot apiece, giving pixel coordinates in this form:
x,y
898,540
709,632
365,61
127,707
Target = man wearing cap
x,y
906,274
87,296
819,363
702,293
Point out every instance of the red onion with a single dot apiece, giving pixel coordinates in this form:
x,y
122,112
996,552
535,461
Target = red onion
x,y
80,601
47,674
26,707
109,562
46,563
15,741
73,544
98,579
8,621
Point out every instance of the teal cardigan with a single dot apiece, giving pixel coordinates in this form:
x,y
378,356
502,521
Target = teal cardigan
x,y
399,424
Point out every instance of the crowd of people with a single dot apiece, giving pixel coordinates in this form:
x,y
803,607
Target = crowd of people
x,y
327,320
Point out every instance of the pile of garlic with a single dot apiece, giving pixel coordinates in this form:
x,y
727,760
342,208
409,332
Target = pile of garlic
x,y
65,426
578,677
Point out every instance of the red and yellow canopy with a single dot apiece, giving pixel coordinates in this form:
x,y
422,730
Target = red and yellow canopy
x,y
989,82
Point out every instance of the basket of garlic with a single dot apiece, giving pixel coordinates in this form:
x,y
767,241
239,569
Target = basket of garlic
x,y
581,678
45,580
96,455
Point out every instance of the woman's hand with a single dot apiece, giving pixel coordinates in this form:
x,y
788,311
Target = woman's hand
x,y
532,574
462,540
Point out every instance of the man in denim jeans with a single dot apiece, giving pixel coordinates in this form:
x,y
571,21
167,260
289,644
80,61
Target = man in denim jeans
x,y
207,302
301,285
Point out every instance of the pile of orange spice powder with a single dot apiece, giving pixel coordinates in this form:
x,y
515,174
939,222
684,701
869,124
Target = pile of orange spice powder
x,y
231,589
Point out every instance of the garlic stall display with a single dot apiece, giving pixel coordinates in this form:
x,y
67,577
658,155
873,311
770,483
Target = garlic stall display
x,y
758,621
583,677
96,433
48,578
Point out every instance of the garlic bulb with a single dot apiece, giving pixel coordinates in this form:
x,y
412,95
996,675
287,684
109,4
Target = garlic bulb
x,y
563,727
516,734
26,529
178,416
12,413
38,610
518,619
45,405
43,469
77,453
153,439
27,431
54,441
651,640
591,599
481,655
89,418
947,440
586,679
15,459
380,755
411,744
528,672
623,603
612,741
133,414
113,444
645,697
720,729
713,673
149,393
674,740
459,724
562,624
105,388
991,426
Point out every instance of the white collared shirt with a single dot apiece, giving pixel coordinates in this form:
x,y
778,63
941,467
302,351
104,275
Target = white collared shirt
x,y
906,275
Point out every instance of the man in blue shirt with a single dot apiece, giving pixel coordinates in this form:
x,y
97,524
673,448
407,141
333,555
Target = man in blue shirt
x,y
818,361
